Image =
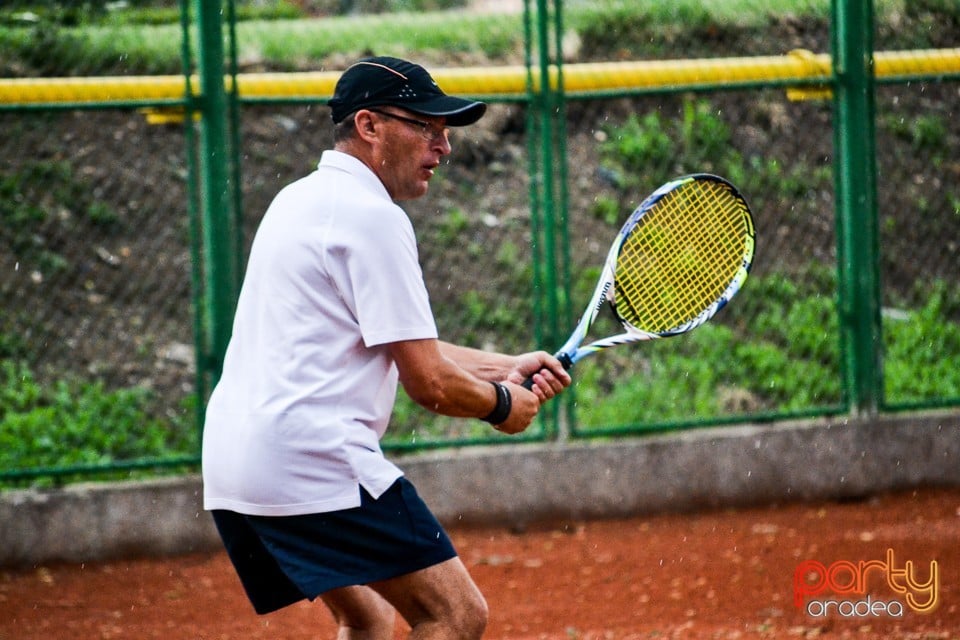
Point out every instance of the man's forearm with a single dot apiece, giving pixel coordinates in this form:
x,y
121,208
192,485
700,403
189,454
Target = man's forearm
x,y
486,365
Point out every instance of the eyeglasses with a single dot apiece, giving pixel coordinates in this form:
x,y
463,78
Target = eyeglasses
x,y
427,131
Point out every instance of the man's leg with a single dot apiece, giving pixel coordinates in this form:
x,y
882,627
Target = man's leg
x,y
439,602
360,613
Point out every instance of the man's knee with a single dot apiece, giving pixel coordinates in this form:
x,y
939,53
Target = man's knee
x,y
360,613
472,616
440,601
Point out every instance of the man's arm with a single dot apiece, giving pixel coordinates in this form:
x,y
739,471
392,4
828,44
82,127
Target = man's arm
x,y
492,366
486,365
455,381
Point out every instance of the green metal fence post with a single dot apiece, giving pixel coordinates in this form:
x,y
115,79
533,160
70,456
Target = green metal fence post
x,y
544,106
857,226
221,262
544,121
558,110
193,221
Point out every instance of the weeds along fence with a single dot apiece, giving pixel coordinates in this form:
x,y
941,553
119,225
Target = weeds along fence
x,y
140,156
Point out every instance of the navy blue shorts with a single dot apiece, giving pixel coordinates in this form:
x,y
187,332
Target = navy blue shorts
x,y
282,560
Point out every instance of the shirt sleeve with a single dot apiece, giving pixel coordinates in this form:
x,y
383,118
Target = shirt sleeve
x,y
375,264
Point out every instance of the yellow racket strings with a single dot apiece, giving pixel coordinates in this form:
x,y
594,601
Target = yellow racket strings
x,y
681,257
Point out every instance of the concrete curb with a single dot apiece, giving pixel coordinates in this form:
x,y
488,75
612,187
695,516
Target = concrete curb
x,y
521,485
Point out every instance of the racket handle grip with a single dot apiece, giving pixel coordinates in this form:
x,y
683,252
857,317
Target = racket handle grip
x,y
564,359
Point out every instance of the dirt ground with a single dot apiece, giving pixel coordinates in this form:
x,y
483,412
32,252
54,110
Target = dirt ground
x,y
726,574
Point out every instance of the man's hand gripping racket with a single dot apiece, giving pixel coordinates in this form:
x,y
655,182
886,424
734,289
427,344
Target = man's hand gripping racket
x,y
682,255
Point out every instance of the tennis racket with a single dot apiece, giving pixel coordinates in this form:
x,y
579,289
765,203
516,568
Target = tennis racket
x,y
682,255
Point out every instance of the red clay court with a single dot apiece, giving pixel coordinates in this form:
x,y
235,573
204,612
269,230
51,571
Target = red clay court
x,y
726,574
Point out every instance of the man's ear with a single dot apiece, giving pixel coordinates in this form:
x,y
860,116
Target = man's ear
x,y
365,125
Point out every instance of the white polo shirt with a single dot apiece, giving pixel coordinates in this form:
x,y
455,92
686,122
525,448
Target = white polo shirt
x,y
308,385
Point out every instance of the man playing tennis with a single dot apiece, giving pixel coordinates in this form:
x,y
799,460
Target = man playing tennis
x,y
333,312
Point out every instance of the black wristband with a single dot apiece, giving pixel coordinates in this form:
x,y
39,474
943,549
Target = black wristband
x,y
501,411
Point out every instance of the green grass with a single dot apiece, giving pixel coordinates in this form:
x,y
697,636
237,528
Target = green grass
x,y
923,347
147,39
651,149
395,34
785,359
774,350
81,423
132,41
100,49
777,353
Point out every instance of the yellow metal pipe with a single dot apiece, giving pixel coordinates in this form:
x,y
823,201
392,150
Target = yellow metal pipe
x,y
506,81
286,85
606,76
31,91
891,64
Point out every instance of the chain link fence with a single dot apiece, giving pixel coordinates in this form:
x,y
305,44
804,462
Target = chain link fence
x,y
919,218
99,259
95,327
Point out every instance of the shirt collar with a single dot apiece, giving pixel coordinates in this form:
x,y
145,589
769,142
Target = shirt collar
x,y
350,164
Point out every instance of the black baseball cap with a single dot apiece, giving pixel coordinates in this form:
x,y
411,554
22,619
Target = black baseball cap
x,y
382,80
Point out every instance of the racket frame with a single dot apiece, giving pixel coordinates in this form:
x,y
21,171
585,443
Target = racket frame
x,y
573,350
